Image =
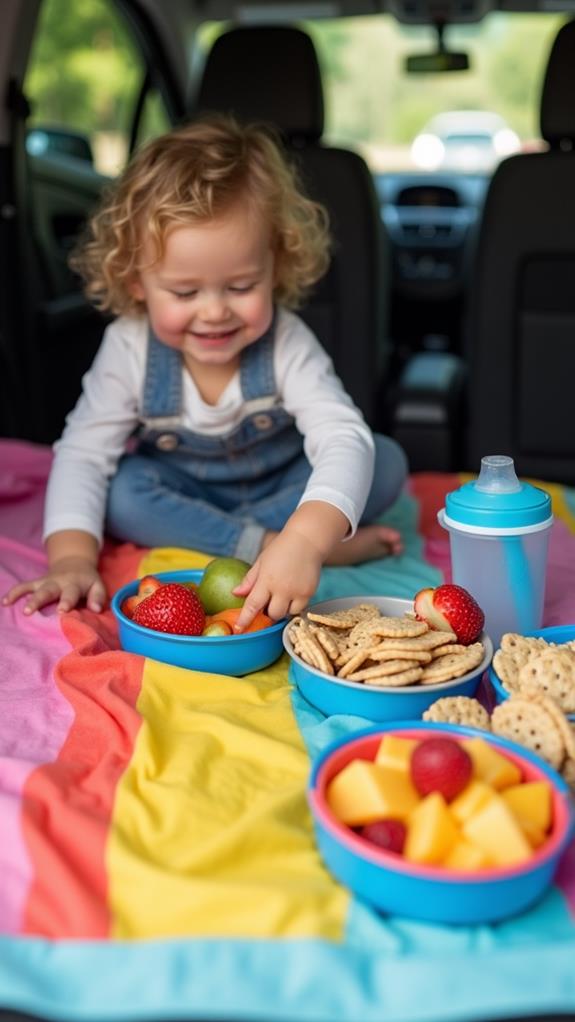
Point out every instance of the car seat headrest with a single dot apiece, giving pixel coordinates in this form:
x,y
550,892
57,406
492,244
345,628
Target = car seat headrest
x,y
558,96
266,73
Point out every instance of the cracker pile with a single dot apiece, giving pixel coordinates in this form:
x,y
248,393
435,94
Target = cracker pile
x,y
529,718
525,662
362,645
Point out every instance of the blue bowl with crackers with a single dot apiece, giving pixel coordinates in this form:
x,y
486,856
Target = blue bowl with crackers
x,y
235,655
401,676
529,660
467,862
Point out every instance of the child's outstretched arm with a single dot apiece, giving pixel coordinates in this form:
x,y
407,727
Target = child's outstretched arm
x,y
285,575
71,576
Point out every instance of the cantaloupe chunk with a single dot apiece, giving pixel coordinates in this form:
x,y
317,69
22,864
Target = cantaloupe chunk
x,y
491,766
363,792
431,831
395,752
495,830
473,797
534,834
465,855
530,803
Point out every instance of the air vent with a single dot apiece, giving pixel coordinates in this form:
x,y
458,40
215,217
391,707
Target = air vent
x,y
431,196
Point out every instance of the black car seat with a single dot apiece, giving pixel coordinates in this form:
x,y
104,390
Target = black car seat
x,y
521,327
271,74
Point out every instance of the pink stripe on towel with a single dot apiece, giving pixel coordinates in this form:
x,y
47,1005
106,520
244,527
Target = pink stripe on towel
x,y
34,718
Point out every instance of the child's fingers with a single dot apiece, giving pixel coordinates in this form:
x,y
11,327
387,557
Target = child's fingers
x,y
256,601
69,597
48,592
279,606
16,592
96,598
247,582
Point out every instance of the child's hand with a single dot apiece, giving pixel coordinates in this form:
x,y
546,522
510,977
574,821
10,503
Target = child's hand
x,y
66,582
282,580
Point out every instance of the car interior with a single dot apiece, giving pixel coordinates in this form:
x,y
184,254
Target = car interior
x,y
413,278
448,310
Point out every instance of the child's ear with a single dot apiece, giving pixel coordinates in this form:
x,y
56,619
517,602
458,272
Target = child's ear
x,y
136,290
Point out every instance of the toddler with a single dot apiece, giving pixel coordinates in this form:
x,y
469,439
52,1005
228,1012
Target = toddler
x,y
212,418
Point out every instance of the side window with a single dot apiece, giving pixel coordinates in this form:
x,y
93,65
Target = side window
x,y
85,83
153,119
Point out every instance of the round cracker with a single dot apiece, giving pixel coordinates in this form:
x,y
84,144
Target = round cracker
x,y
530,725
384,670
398,627
506,666
556,713
453,665
458,710
400,680
553,672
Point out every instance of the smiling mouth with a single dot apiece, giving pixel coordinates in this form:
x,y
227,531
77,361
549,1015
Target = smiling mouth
x,y
215,337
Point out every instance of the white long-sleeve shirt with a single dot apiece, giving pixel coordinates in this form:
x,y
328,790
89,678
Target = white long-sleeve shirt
x,y
337,442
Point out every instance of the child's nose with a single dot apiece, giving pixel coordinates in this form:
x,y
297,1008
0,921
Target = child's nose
x,y
213,305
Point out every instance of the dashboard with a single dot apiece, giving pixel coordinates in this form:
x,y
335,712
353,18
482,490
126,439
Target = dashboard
x,y
431,221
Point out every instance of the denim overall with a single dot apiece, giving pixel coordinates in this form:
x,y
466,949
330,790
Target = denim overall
x,y
218,494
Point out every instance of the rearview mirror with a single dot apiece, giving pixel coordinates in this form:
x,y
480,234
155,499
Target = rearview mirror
x,y
442,60
439,60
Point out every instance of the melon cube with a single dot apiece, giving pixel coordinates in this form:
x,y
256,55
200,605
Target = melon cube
x,y
534,834
431,831
395,752
465,855
475,795
491,766
530,804
363,792
495,830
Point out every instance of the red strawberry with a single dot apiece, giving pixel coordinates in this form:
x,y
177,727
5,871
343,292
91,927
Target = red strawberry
x,y
130,603
450,608
172,608
387,833
440,764
148,585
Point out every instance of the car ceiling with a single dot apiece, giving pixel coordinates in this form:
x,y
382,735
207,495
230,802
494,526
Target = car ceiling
x,y
406,11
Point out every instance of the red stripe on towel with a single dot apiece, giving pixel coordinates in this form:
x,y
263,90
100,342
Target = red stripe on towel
x,y
67,804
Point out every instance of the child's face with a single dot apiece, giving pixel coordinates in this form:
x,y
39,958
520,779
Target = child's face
x,y
211,295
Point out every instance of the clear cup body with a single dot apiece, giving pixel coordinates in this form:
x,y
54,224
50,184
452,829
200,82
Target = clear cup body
x,y
505,574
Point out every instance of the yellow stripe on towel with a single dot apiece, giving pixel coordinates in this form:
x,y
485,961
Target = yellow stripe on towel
x,y
211,834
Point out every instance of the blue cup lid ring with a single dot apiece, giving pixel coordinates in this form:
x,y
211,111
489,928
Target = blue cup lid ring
x,y
485,530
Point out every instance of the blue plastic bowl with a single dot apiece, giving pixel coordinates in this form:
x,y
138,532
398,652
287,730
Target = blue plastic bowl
x,y
391,884
337,695
229,654
557,633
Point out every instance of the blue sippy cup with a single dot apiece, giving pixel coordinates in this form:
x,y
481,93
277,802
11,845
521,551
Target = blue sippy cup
x,y
498,535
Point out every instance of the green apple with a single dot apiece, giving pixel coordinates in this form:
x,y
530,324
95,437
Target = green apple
x,y
221,576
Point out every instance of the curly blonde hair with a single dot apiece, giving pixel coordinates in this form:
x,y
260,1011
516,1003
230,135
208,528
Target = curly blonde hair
x,y
189,176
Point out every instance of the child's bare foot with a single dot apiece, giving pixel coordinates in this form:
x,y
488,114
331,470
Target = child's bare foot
x,y
369,543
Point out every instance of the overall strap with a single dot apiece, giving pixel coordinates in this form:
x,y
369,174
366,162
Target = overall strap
x,y
162,398
257,377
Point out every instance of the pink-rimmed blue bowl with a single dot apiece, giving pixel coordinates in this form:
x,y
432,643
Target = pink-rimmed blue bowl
x,y
391,884
230,654
555,633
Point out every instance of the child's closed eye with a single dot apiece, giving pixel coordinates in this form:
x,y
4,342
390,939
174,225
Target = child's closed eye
x,y
184,294
241,288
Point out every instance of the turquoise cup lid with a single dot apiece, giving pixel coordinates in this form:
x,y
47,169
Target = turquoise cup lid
x,y
497,499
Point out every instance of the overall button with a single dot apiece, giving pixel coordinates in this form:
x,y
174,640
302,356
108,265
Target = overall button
x,y
263,421
167,442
